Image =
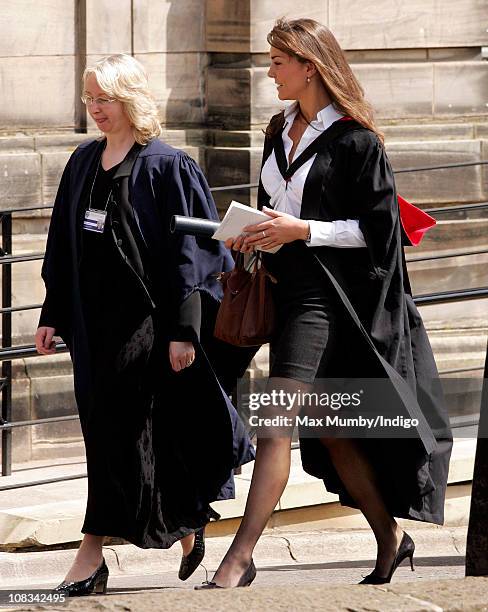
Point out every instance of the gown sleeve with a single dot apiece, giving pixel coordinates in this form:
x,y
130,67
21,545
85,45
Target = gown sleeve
x,y
374,195
193,261
188,320
55,267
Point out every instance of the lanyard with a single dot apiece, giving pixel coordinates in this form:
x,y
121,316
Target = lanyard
x,y
95,218
91,190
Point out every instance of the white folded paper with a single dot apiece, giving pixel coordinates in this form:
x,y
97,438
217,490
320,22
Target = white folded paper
x,y
236,218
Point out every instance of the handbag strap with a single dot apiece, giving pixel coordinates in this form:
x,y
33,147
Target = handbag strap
x,y
252,264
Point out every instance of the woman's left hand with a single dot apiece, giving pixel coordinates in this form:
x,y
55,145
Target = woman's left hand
x,y
181,355
280,229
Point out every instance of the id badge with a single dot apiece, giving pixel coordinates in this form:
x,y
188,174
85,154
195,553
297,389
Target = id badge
x,y
94,220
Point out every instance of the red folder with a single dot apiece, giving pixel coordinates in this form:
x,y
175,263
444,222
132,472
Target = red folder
x,y
415,221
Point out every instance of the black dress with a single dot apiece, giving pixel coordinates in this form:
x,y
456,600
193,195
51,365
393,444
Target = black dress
x,y
111,299
119,436
307,316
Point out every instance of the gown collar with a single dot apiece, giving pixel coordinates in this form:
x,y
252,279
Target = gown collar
x,y
325,117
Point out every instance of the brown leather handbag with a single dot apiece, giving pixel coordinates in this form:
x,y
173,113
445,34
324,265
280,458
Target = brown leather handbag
x,y
246,315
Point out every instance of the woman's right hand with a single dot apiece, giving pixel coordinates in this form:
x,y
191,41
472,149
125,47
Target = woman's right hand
x,y
236,244
45,344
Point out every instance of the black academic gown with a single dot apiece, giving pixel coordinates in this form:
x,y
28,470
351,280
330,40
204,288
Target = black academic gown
x,y
160,445
381,331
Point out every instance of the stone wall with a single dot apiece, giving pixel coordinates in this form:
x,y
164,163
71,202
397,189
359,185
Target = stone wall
x,y
214,52
416,59
40,40
420,64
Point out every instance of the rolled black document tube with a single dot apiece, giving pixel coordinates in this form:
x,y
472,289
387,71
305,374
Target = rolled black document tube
x,y
193,225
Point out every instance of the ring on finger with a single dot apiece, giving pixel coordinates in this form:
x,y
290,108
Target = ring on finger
x,y
264,234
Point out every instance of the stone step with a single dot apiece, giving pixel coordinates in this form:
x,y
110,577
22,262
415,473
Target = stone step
x,y
436,89
418,28
240,165
43,387
33,164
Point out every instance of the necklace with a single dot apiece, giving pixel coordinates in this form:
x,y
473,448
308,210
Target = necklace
x,y
300,114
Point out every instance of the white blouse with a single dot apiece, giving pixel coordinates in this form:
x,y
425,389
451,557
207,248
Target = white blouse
x,y
323,233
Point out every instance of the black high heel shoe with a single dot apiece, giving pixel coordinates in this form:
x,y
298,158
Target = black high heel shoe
x,y
96,583
190,563
245,580
406,549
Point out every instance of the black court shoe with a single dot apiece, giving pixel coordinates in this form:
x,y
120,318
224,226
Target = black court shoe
x,y
96,583
190,563
245,581
406,549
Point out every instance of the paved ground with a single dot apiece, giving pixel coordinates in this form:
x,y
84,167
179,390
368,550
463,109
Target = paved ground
x,y
297,570
465,594
302,565
338,572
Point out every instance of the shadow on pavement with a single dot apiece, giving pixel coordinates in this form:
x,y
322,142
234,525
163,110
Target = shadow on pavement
x,y
420,561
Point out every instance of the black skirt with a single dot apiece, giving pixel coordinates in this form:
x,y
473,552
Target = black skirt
x,y
307,316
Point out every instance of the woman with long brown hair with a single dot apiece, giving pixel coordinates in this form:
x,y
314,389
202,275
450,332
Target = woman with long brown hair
x,y
344,307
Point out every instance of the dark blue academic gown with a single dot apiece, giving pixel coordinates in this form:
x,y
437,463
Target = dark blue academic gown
x,y
160,445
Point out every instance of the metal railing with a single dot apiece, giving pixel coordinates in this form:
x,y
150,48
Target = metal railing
x,y
8,353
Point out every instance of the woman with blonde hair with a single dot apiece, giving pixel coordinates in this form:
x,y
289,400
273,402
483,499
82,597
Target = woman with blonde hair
x,y
134,303
344,306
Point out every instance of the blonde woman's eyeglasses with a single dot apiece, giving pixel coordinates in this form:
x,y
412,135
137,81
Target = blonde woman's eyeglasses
x,y
100,101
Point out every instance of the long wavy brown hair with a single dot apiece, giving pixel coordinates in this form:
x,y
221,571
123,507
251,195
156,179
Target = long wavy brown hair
x,y
310,41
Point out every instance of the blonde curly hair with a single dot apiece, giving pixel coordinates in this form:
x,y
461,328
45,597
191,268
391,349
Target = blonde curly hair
x,y
125,79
